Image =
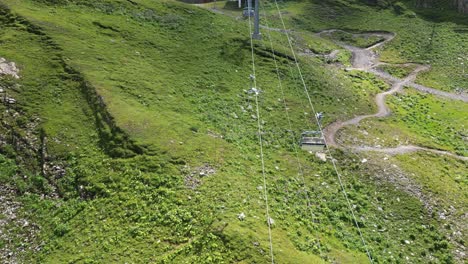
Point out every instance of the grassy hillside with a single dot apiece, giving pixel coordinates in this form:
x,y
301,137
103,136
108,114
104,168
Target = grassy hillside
x,y
142,105
436,37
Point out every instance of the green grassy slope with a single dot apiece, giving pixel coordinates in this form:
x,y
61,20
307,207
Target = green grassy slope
x,y
139,100
436,37
418,119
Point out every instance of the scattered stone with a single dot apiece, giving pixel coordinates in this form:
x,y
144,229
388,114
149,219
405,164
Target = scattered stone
x,y
8,100
241,216
57,171
363,160
442,216
332,56
14,242
193,177
271,221
321,156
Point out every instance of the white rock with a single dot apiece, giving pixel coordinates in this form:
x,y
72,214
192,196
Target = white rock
x,y
321,156
271,221
241,216
8,68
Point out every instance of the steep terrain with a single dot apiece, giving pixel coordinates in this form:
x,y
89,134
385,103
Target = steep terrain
x,y
129,133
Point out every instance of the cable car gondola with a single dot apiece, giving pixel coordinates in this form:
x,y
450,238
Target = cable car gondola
x,y
312,141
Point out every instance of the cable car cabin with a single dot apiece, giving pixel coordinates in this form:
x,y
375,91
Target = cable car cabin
x,y
312,141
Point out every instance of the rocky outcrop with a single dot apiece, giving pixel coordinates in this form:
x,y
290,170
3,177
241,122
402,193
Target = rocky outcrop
x,y
8,68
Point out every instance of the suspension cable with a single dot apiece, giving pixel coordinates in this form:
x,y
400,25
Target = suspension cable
x,y
295,145
306,90
265,192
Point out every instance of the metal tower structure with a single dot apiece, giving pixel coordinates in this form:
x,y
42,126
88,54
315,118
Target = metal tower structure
x,y
256,34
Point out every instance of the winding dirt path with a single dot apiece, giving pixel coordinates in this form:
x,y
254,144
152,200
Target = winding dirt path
x,y
365,59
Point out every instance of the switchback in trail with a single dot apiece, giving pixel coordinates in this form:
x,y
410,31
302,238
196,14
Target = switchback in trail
x,y
365,59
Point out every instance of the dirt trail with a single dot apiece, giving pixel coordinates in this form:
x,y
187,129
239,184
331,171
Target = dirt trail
x,y
365,59
408,149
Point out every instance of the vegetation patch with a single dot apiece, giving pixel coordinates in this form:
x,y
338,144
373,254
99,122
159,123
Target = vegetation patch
x,y
399,71
136,106
437,122
357,40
